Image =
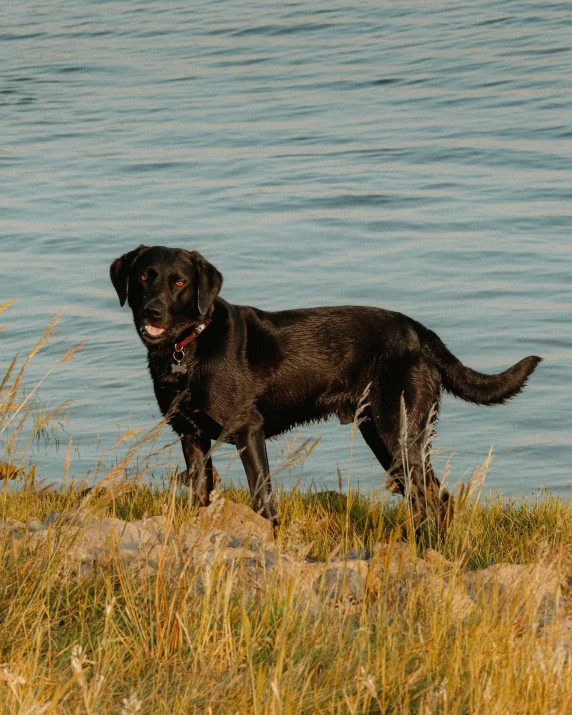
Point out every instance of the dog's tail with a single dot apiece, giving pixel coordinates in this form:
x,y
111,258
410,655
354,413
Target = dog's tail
x,y
471,385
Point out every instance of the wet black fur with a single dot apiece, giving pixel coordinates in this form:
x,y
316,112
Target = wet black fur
x,y
253,374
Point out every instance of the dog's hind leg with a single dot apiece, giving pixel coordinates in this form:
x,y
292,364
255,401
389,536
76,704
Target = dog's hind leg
x,y
370,433
401,479
412,467
404,454
416,439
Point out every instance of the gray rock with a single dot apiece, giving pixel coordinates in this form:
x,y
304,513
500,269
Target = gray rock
x,y
230,539
339,583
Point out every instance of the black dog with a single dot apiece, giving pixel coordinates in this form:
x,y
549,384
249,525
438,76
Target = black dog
x,y
239,374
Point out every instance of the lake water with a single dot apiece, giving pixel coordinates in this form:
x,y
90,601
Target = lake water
x,y
414,156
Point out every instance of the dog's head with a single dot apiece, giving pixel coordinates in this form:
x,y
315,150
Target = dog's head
x,y
169,290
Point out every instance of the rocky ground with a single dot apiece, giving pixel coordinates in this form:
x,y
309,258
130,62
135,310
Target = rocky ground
x,y
231,536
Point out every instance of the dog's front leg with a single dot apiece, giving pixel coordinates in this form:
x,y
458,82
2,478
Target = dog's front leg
x,y
199,475
251,443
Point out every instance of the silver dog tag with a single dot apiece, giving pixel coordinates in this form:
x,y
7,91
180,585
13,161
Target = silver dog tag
x,y
177,366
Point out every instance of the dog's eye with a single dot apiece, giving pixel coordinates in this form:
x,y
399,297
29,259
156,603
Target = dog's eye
x,y
179,284
143,278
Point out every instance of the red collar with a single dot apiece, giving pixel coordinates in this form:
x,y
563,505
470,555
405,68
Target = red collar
x,y
195,334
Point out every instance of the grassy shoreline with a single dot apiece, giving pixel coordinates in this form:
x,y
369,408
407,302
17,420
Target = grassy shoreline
x,y
112,642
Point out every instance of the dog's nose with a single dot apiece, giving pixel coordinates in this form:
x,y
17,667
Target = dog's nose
x,y
154,309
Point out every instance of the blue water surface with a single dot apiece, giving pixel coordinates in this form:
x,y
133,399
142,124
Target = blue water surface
x,y
414,156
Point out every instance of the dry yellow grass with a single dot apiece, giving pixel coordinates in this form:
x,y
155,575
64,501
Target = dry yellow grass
x,y
111,640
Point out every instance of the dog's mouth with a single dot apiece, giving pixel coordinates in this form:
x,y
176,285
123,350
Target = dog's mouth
x,y
152,333
154,330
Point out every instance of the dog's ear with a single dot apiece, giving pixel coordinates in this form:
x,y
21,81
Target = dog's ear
x,y
120,269
209,282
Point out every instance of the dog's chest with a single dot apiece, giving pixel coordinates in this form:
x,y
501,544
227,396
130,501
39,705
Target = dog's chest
x,y
181,399
173,385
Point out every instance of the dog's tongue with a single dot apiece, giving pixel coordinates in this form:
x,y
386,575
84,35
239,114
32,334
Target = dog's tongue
x,y
154,331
